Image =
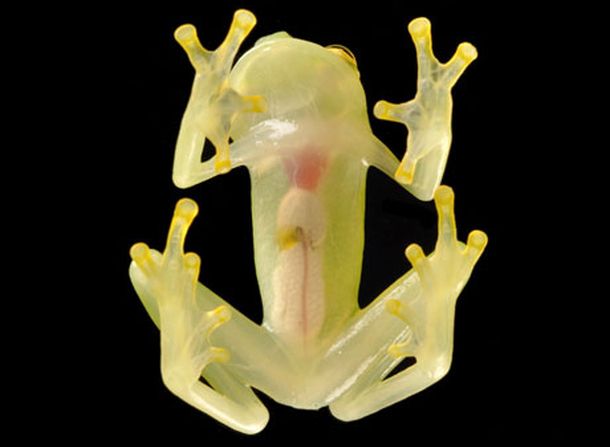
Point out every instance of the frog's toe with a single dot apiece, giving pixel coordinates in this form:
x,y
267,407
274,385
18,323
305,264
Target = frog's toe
x,y
420,263
406,170
192,263
201,58
186,33
217,317
186,208
184,214
444,199
207,353
477,241
420,28
141,255
222,165
464,55
243,20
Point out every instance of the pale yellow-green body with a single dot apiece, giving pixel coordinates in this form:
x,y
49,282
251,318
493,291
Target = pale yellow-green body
x,y
296,113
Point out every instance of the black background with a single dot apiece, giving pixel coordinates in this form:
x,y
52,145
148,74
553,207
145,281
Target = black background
x,y
131,86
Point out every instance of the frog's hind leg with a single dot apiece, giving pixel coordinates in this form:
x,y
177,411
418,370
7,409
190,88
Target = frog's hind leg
x,y
423,302
194,324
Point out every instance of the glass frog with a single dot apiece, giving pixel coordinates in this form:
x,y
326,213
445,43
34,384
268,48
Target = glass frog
x,y
294,113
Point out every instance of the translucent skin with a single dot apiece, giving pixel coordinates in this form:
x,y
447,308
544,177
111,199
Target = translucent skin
x,y
296,113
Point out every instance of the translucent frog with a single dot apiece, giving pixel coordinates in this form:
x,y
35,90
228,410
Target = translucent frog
x,y
294,113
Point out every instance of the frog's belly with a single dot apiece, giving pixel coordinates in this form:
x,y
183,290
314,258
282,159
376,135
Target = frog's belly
x,y
298,307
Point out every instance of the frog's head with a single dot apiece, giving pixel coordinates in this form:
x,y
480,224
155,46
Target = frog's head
x,y
300,80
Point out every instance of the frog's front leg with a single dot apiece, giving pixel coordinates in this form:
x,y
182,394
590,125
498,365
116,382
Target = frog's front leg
x,y
427,116
190,316
213,103
425,306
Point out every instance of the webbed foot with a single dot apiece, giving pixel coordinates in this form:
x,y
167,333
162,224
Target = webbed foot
x,y
443,274
171,278
213,103
428,115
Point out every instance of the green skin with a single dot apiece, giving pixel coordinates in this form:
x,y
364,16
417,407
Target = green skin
x,y
297,115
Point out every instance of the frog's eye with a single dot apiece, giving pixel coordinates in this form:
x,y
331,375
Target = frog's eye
x,y
344,53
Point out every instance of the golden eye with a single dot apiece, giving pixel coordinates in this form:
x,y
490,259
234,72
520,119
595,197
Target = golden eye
x,y
344,53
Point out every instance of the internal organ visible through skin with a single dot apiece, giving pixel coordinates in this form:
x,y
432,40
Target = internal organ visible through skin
x,y
299,303
306,167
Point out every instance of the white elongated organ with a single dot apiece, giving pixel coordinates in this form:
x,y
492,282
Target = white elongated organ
x,y
298,306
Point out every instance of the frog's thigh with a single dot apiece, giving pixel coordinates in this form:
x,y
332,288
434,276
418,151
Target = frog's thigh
x,y
361,355
254,360
376,344
254,353
381,393
255,356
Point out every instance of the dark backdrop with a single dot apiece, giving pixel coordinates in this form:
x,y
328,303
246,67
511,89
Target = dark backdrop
x,y
134,81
